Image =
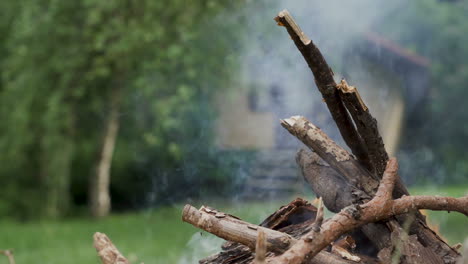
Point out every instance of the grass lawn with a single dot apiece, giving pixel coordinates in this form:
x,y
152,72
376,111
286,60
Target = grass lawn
x,y
159,236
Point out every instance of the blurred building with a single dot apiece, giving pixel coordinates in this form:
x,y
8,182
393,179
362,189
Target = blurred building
x,y
392,81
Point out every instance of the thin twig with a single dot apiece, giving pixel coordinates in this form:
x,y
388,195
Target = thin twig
x,y
260,248
319,217
9,254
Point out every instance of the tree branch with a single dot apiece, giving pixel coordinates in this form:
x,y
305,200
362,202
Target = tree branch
x,y
366,125
233,229
365,142
338,158
9,254
358,182
381,207
108,253
327,87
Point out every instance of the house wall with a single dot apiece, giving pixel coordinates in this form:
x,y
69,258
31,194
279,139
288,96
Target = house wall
x,y
239,127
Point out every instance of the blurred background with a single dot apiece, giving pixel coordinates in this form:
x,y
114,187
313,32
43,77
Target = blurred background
x,y
114,114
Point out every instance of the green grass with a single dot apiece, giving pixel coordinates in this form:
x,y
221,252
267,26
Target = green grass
x,y
153,237
159,236
452,226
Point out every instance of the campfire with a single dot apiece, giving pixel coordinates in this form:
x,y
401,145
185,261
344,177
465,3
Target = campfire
x,y
376,219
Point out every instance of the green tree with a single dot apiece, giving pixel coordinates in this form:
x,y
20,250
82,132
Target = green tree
x,y
76,71
438,30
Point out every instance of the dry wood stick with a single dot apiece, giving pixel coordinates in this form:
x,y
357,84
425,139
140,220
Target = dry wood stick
x,y
338,158
381,207
106,250
260,248
366,125
309,248
341,161
233,229
9,254
327,87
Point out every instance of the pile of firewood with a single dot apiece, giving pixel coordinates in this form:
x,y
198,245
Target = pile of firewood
x,y
376,219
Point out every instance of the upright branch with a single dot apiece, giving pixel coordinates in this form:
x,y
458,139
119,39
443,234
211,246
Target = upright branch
x,y
327,87
319,218
366,125
260,248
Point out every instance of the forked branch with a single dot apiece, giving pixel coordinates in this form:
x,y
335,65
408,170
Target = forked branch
x,y
381,207
9,254
327,86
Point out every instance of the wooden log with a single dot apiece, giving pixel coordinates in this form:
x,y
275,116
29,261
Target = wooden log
x,y
327,86
340,160
381,207
337,194
324,181
106,250
296,212
371,153
233,229
236,230
367,133
366,126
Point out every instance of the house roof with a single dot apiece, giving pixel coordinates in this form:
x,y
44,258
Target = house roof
x,y
411,68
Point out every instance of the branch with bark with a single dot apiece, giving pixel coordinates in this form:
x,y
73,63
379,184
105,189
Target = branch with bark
x,y
311,245
381,207
233,229
327,86
106,250
373,206
364,132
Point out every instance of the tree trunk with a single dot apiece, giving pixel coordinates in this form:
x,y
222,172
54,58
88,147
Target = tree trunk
x,y
100,201
56,150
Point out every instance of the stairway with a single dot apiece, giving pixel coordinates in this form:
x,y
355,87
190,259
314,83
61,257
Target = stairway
x,y
273,174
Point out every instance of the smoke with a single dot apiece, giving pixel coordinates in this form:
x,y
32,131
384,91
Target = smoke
x,y
273,68
200,246
270,60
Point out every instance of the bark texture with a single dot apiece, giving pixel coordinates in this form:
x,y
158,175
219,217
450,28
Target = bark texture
x,y
373,156
106,251
241,250
381,207
327,86
372,205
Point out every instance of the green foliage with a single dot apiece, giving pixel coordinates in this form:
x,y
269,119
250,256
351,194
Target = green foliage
x,y
438,30
64,60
